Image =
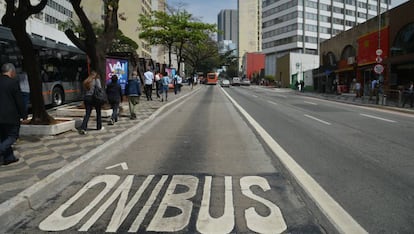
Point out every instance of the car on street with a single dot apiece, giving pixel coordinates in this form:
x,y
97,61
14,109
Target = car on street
x,y
225,83
245,82
236,81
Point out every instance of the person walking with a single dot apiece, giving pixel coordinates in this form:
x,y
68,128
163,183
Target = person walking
x,y
409,94
175,84
11,112
358,89
165,80
24,88
133,91
90,84
158,84
114,94
148,80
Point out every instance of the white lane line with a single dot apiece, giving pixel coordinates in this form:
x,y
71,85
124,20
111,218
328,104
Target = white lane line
x,y
271,102
312,103
254,96
319,120
339,218
379,118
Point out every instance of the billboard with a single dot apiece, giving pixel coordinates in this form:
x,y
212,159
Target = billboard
x,y
119,67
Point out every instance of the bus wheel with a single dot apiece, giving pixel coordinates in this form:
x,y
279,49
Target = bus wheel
x,y
57,96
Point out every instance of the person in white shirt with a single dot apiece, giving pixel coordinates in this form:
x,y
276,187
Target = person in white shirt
x,y
148,81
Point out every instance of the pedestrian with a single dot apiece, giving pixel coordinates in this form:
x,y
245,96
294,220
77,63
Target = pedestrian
x,y
148,81
89,85
409,94
179,82
191,81
165,80
114,94
24,88
11,112
374,89
297,85
133,91
175,84
358,89
302,86
158,84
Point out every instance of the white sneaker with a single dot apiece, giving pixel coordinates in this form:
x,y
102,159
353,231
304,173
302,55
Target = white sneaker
x,y
103,128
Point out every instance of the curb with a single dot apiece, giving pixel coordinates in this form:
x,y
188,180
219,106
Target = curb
x,y
36,195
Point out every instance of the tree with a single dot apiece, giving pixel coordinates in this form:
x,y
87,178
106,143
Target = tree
x,y
15,18
173,30
195,55
96,45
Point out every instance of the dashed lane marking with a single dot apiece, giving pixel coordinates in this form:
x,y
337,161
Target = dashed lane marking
x,y
337,215
379,118
319,120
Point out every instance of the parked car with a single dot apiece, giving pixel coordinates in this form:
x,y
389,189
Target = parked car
x,y
236,81
225,83
245,82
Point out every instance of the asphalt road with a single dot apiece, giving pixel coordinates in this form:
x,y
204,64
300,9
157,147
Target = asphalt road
x,y
197,168
363,157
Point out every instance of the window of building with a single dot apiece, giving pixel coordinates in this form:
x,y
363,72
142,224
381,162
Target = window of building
x,y
403,43
350,12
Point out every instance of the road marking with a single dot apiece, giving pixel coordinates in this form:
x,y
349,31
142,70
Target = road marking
x,y
312,103
319,120
339,218
379,118
116,199
254,95
271,102
123,165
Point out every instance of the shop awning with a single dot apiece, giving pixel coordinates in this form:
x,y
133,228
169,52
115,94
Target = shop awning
x,y
344,69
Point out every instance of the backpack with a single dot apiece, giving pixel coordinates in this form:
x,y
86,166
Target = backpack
x,y
99,96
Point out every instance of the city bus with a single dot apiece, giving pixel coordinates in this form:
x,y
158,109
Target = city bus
x,y
62,68
212,78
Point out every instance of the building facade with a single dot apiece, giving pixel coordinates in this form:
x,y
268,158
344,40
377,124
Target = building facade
x,y
300,26
128,12
380,49
227,21
45,24
249,28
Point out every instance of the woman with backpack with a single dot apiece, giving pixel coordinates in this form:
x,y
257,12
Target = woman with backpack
x,y
90,84
114,94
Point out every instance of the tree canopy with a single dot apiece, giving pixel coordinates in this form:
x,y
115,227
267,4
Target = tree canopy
x,y
173,31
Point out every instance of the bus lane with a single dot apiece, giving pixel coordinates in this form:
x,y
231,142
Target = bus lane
x,y
199,169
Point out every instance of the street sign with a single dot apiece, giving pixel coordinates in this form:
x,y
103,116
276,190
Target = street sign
x,y
378,68
378,59
378,52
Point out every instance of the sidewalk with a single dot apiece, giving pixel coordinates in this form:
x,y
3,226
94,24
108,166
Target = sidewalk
x,y
361,101
40,156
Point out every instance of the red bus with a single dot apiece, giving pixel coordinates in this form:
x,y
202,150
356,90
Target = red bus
x,y
212,78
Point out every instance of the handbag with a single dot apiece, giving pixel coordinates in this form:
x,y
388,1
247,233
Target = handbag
x,y
99,96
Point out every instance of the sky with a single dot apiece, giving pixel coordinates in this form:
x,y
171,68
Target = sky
x,y
207,10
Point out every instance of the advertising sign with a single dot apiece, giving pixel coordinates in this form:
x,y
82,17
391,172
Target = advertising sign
x,y
368,50
119,67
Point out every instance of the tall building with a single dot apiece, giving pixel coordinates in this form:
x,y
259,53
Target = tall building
x,y
128,12
250,27
159,53
45,24
227,21
299,25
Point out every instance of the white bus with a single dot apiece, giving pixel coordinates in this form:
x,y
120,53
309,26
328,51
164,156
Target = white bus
x,y
63,68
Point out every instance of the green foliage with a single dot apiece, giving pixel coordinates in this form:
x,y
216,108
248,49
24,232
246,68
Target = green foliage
x,y
269,77
173,30
121,42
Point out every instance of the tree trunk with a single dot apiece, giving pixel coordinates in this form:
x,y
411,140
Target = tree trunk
x,y
15,19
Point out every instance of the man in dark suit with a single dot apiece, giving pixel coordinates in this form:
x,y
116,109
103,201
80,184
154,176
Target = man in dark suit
x,y
11,112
